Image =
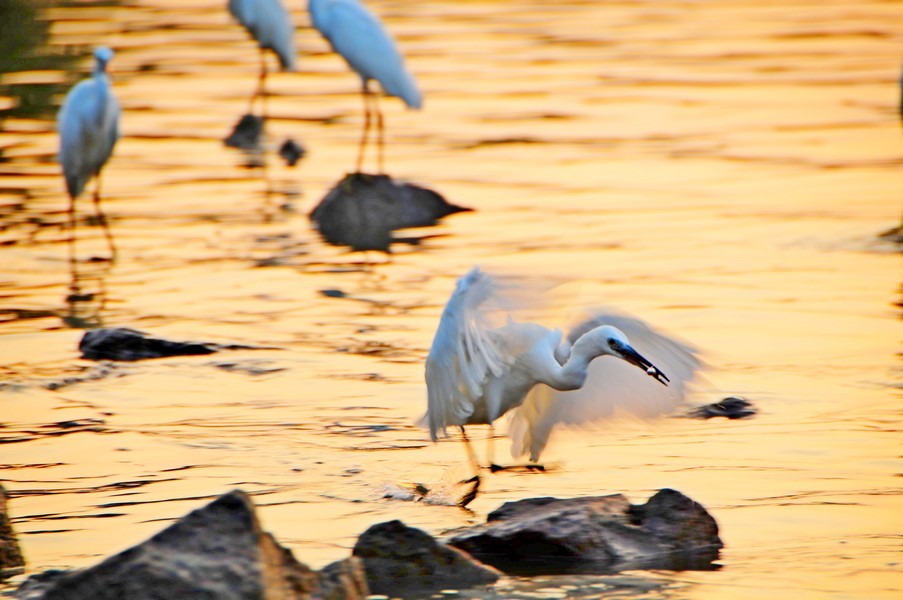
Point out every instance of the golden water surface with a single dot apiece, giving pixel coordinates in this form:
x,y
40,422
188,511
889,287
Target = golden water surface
x,y
722,168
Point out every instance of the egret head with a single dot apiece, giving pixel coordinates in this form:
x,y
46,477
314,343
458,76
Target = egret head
x,y
103,55
612,341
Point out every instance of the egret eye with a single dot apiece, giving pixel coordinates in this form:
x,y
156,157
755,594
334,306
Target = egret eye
x,y
613,343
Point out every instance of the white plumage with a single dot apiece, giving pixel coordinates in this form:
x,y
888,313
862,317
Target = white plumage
x,y
88,126
270,24
476,371
360,38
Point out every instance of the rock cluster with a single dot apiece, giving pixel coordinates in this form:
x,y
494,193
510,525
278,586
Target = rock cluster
x,y
220,552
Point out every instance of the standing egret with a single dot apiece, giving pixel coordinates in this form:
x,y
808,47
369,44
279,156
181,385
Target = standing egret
x,y
270,24
88,125
475,373
358,36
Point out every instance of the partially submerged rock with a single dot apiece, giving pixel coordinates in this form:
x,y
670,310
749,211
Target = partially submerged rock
x,y
362,211
246,134
11,560
130,344
291,152
732,407
399,559
218,551
601,534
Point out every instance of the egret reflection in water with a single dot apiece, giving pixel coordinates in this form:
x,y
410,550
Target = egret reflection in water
x,y
88,125
478,371
358,36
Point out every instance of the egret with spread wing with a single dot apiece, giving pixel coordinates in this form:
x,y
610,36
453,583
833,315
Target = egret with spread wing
x,y
475,373
270,24
88,125
358,36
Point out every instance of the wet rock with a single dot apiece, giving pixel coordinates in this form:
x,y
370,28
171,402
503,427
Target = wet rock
x,y
399,560
11,560
130,344
218,551
344,580
731,407
362,211
246,134
599,534
291,152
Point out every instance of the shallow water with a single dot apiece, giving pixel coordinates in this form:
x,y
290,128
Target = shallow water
x,y
720,168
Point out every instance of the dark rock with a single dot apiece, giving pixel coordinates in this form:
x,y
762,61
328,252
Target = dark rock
x,y
732,408
11,559
399,559
291,152
246,134
601,534
344,580
362,211
129,344
216,552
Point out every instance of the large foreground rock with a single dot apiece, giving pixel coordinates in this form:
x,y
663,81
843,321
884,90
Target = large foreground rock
x,y
11,560
601,534
218,552
399,560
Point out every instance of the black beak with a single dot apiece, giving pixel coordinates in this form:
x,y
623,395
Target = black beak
x,y
637,359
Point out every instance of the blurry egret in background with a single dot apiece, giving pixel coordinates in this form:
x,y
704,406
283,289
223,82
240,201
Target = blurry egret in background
x,y
359,37
88,124
270,24
476,372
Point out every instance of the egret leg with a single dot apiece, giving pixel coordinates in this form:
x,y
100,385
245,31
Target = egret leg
x,y
490,450
260,91
471,455
380,135
72,266
365,91
263,83
103,219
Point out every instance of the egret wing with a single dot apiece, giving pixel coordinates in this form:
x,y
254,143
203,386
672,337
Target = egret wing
x,y
360,38
611,385
465,352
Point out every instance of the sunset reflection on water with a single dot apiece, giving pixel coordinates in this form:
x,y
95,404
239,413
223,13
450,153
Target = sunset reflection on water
x,y
721,169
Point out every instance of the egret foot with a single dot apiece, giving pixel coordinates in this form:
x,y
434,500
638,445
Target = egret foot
x,y
443,493
470,488
528,468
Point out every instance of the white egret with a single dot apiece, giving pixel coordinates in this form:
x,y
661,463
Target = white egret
x,y
358,36
475,373
270,24
88,125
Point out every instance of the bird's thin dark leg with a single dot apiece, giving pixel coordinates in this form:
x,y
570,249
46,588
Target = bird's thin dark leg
x,y
380,135
365,91
471,455
103,219
263,84
260,92
490,450
72,266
